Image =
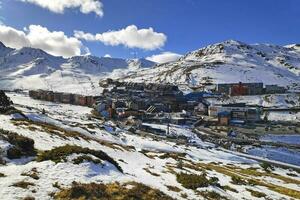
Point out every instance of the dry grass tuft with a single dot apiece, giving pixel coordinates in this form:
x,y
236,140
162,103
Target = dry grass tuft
x,y
60,154
192,181
256,193
22,184
133,191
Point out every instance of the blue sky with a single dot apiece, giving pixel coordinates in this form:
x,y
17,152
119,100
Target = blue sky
x,y
187,24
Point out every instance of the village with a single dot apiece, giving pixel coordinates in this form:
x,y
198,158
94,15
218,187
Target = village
x,y
136,113
136,105
149,100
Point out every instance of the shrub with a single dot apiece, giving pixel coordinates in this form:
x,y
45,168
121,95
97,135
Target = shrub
x,y
256,193
180,164
60,154
23,184
291,174
150,172
227,187
267,167
4,100
81,159
214,181
252,182
24,143
33,174
29,198
173,188
14,153
175,156
184,195
238,180
136,191
192,181
22,146
212,195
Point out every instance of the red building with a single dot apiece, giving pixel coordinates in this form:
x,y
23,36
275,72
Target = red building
x,y
90,101
80,100
239,90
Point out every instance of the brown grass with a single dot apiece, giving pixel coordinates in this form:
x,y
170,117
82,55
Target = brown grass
x,y
84,158
173,188
192,181
252,179
21,146
29,198
59,154
22,184
117,191
256,193
227,187
152,173
66,134
33,173
212,195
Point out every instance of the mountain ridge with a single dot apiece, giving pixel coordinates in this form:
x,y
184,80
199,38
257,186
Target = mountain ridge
x,y
229,61
31,68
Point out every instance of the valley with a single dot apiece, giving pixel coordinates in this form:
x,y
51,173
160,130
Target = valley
x,y
155,161
210,125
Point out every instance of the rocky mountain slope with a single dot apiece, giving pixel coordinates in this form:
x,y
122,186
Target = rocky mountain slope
x,y
30,68
230,61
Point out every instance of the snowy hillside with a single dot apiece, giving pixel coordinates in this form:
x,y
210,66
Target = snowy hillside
x,y
103,153
29,68
230,61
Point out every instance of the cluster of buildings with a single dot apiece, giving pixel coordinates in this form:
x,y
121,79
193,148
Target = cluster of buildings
x,y
141,100
165,103
61,97
241,113
238,113
240,89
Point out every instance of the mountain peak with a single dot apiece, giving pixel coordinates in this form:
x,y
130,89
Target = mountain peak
x,y
295,47
31,50
2,45
233,42
4,50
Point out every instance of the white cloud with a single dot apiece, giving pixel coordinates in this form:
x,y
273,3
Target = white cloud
x,y
59,6
36,36
164,57
130,36
107,56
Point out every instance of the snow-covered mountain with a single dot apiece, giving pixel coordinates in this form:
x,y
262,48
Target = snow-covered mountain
x,y
230,61
29,68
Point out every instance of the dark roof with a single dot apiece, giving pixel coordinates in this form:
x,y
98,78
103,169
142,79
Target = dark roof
x,y
224,114
234,105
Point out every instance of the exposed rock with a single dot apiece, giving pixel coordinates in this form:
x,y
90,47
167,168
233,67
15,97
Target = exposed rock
x,y
4,100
